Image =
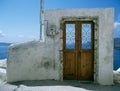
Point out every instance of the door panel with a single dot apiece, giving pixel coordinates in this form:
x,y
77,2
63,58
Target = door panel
x,y
86,66
70,66
69,53
78,51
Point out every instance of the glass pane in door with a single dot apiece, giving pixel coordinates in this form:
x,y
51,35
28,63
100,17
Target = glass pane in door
x,y
86,36
70,36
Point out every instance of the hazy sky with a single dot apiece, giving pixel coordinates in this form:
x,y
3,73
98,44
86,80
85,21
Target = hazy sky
x,y
20,19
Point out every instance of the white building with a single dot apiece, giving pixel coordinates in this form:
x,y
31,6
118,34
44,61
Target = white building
x,y
78,46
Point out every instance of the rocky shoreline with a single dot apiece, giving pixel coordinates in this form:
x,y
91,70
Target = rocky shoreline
x,y
3,70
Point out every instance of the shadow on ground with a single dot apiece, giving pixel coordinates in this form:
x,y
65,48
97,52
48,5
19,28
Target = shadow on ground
x,y
81,86
51,83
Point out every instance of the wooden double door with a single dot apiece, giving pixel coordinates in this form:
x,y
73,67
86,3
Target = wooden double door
x,y
78,50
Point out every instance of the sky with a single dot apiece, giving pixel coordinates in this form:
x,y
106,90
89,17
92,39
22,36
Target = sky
x,y
20,19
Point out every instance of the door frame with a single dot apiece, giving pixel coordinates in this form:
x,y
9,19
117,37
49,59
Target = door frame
x,y
96,42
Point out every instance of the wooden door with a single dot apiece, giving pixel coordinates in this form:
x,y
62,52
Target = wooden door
x,y
78,54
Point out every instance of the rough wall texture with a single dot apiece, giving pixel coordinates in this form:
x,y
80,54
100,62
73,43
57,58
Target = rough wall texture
x,y
32,61
38,61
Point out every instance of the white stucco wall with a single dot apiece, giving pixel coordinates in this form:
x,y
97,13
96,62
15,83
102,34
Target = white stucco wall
x,y
32,61
38,61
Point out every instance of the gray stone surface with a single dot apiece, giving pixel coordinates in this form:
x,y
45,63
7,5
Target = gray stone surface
x,y
43,60
3,63
7,87
57,86
3,70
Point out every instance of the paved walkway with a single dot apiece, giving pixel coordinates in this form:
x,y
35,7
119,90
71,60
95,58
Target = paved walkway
x,y
56,86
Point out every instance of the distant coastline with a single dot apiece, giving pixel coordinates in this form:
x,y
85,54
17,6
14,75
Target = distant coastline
x,y
5,44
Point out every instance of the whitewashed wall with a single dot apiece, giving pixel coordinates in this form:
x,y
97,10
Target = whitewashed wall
x,y
32,61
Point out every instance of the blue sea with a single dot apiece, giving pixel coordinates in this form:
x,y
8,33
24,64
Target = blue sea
x,y
4,52
116,58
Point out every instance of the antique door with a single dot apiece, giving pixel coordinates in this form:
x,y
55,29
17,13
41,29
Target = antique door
x,y
78,50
